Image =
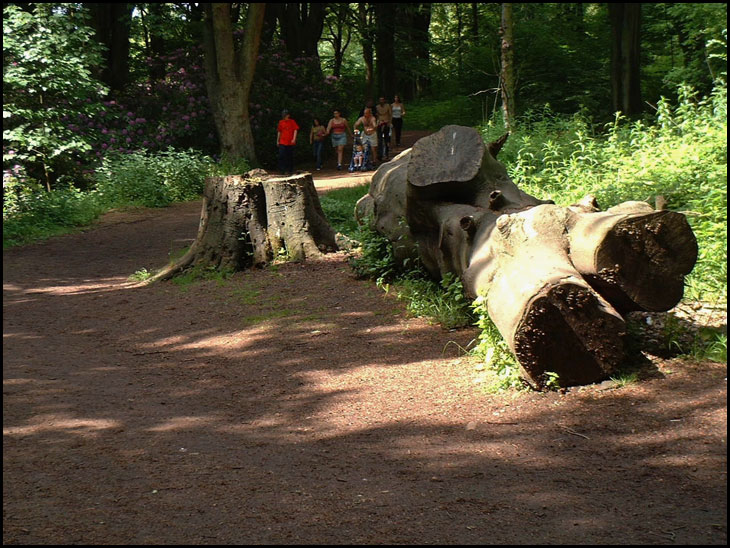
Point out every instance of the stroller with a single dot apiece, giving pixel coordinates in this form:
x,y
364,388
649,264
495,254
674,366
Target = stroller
x,y
361,155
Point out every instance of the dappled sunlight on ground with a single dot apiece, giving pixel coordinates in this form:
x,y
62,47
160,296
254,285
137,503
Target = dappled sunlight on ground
x,y
299,405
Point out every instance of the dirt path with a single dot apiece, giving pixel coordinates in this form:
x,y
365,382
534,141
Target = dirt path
x,y
297,405
329,178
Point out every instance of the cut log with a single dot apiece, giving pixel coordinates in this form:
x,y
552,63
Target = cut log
x,y
248,220
556,279
634,256
551,318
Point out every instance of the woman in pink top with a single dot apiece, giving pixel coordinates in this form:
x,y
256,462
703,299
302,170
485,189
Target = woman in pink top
x,y
338,128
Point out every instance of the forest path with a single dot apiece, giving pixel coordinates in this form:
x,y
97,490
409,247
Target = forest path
x,y
330,178
298,405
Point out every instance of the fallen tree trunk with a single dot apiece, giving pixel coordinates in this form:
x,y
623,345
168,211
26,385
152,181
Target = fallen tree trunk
x,y
249,220
556,279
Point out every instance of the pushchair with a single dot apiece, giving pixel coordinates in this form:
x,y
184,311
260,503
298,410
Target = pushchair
x,y
361,155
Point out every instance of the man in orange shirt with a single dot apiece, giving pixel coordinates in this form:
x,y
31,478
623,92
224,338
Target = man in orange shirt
x,y
286,140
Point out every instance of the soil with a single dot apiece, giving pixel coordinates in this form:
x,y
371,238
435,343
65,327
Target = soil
x,y
298,405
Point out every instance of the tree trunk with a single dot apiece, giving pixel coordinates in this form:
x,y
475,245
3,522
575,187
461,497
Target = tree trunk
x,y
556,279
507,75
249,220
301,26
296,222
112,25
367,32
625,57
385,18
338,25
229,75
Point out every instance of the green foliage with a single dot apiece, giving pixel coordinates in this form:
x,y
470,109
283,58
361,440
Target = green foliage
x,y
136,179
443,301
496,357
430,114
48,58
199,273
376,260
152,179
140,275
31,213
339,206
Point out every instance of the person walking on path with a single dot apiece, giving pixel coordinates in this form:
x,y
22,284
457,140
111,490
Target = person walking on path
x,y
316,139
385,118
339,129
398,110
286,140
369,134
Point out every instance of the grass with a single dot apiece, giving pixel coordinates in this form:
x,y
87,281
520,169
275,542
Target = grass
x,y
339,208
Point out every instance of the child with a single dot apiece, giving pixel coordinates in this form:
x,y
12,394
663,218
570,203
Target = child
x,y
358,157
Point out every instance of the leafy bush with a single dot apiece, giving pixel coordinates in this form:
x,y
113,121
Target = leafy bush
x,y
35,213
152,179
427,115
48,59
443,301
143,179
376,260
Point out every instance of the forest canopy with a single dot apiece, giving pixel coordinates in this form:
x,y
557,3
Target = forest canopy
x,y
82,81
133,103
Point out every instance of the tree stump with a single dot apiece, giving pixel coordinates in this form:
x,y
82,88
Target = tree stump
x,y
249,220
296,223
556,279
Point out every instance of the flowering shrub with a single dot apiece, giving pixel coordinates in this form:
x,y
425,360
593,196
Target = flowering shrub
x,y
173,111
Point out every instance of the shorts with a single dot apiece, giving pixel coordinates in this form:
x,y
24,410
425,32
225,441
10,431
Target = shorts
x,y
370,139
339,139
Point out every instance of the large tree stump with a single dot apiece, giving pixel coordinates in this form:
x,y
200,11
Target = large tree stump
x,y
296,223
248,220
556,279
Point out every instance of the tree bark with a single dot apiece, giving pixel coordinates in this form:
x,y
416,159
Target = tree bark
x,y
248,220
625,22
385,16
301,26
338,25
296,222
367,40
507,74
229,75
112,25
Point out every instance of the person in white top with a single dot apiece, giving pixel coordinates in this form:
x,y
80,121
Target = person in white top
x,y
399,110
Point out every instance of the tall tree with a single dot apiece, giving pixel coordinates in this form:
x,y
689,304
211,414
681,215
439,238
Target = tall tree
x,y
625,57
507,75
48,59
300,26
366,25
338,21
385,17
413,49
229,71
112,23
152,18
